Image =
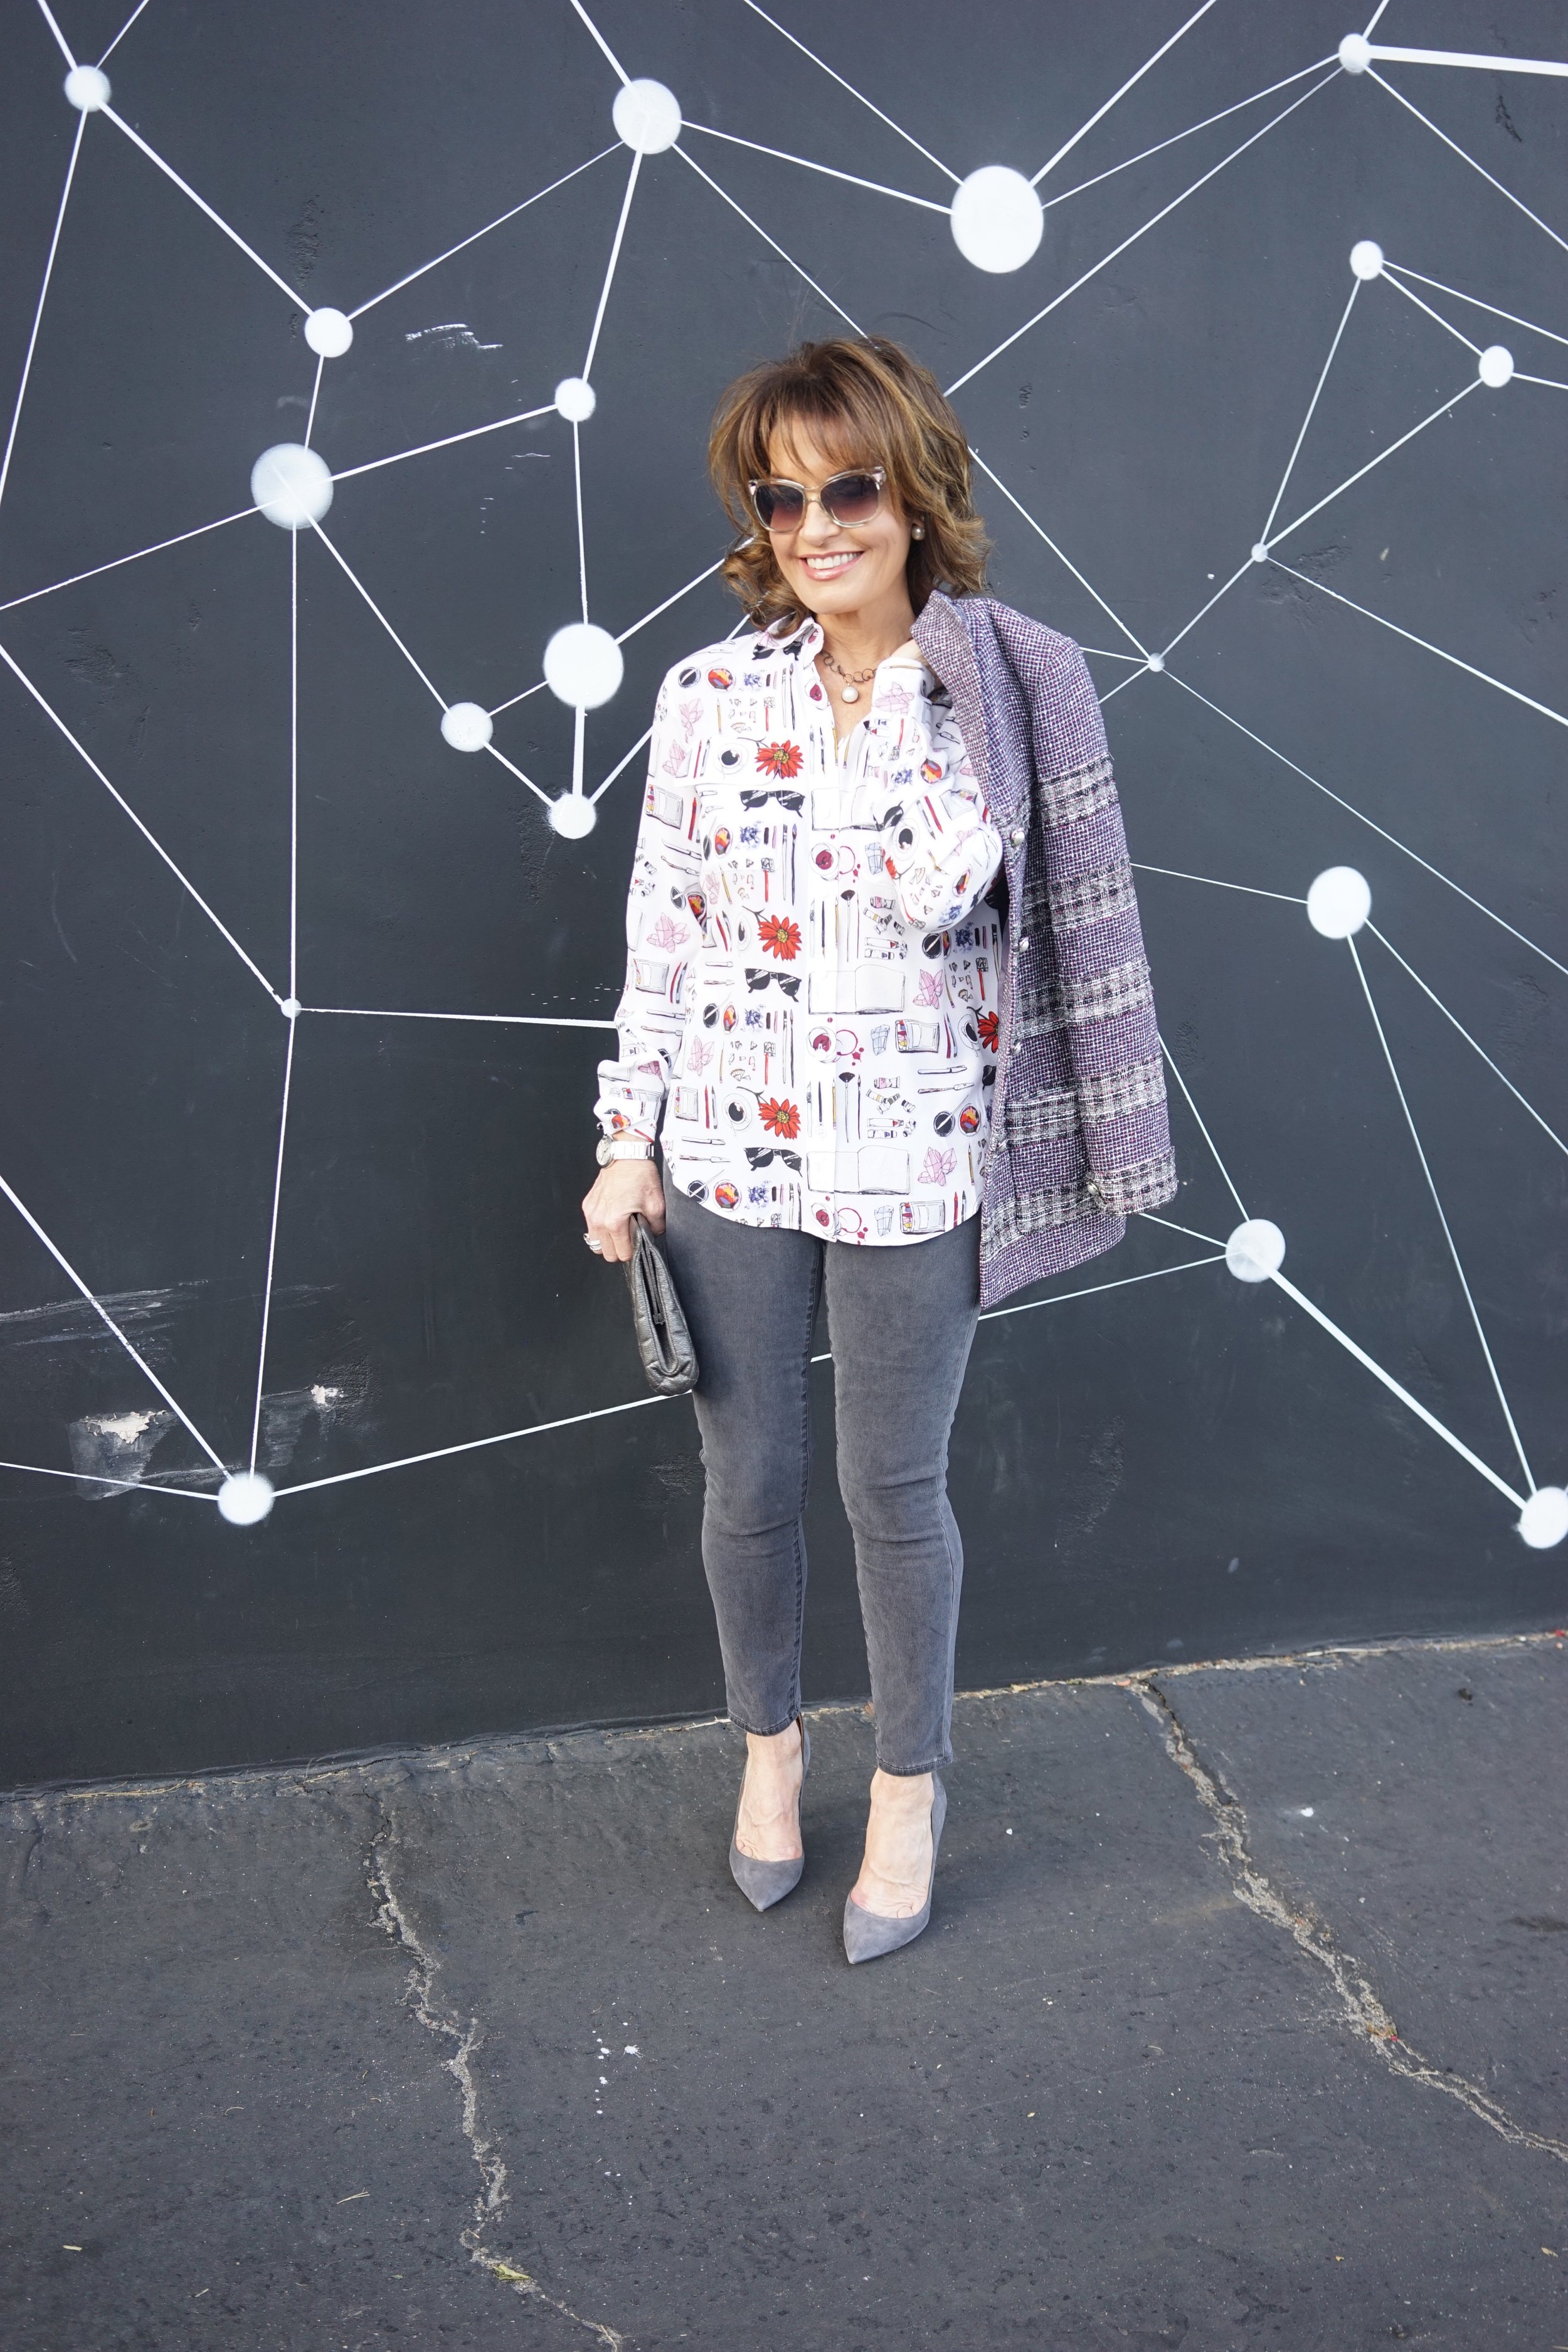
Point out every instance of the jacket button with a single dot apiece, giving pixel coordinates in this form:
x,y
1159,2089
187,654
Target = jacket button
x,y
1018,1047
1023,947
1017,835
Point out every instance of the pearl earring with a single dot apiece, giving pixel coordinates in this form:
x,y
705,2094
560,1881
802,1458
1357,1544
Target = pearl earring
x,y
919,531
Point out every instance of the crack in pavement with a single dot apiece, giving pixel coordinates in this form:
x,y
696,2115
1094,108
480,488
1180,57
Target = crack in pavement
x,y
446,2025
1324,1656
1359,2007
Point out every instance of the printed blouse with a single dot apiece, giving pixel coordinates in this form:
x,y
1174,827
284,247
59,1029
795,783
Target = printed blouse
x,y
810,1007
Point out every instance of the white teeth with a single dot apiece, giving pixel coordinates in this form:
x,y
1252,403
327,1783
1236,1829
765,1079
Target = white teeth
x,y
823,563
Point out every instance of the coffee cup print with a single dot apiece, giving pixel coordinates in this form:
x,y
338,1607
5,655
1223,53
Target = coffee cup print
x,y
917,1036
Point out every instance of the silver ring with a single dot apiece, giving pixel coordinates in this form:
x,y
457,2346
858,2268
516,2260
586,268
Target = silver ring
x,y
597,1247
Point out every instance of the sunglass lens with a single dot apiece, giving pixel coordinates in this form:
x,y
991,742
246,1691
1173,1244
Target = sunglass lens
x,y
780,506
852,499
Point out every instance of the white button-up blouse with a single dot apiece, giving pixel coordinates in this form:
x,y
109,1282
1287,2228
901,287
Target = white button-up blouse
x,y
810,1006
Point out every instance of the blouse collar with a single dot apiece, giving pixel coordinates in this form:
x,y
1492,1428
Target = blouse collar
x,y
896,672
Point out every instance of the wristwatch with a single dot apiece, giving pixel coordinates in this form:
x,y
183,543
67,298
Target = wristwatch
x,y
622,1147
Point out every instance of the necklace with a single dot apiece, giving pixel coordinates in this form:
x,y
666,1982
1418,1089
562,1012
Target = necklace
x,y
851,690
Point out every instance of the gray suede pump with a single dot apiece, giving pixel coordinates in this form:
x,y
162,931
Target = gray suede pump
x,y
766,1883
869,1934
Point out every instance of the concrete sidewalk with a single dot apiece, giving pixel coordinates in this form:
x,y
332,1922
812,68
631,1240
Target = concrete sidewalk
x,y
1240,2022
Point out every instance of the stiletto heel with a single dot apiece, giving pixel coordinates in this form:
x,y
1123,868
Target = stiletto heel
x,y
764,1884
869,1934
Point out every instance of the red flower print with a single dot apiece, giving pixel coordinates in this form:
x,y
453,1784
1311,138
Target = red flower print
x,y
780,936
780,759
990,1030
780,1117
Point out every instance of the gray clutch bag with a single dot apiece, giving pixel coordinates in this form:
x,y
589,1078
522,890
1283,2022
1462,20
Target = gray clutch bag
x,y
663,1340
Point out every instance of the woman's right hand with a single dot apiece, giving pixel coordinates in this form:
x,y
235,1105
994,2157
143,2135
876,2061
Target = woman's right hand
x,y
624,1188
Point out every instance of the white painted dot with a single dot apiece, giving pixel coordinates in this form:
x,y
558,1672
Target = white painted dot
x,y
329,332
245,1498
997,218
1156,661
576,398
583,665
1306,1812
291,485
1355,53
1255,1250
1366,258
572,815
1495,365
1544,1518
291,1008
646,116
1260,552
1339,902
86,88
466,726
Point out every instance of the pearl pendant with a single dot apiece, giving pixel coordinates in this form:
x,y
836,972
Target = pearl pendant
x,y
851,694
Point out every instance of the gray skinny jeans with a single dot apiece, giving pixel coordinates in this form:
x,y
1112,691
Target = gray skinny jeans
x,y
901,1321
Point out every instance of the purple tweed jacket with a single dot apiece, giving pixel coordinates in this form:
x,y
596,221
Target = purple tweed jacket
x,y
1079,1139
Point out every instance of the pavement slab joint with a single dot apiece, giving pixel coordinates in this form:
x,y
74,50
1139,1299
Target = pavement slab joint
x,y
1359,2006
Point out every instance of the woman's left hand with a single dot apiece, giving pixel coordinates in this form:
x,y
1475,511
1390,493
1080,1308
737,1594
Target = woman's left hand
x,y
624,1188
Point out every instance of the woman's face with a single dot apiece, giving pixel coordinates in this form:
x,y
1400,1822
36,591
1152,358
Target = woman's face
x,y
829,569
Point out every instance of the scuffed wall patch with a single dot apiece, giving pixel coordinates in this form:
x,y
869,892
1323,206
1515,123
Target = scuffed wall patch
x,y
115,1445
312,1414
451,335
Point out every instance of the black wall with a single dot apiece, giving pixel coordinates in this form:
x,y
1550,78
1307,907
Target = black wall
x,y
1182,1467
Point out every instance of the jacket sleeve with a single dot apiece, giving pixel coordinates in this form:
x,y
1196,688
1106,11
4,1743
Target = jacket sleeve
x,y
938,841
1105,995
664,926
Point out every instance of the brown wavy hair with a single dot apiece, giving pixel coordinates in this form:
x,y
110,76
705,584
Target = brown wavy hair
x,y
868,403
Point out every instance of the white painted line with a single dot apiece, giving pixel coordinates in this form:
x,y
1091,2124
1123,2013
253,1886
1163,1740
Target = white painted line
x,y
100,1310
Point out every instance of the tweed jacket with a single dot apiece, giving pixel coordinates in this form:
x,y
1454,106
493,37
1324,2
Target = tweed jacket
x,y
1080,1139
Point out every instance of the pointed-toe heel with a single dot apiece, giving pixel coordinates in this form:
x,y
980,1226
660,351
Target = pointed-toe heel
x,y
764,1884
867,1935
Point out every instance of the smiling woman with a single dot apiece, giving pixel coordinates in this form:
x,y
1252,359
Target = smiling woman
x,y
862,405
853,1055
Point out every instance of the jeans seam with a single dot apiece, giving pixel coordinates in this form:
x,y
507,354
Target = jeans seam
x,y
910,1771
948,1525
812,1292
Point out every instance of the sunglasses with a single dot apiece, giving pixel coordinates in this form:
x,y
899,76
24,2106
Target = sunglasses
x,y
847,499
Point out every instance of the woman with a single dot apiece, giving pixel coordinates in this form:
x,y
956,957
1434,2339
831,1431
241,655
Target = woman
x,y
887,1009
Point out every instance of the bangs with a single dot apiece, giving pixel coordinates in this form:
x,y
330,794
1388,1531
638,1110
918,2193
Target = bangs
x,y
845,438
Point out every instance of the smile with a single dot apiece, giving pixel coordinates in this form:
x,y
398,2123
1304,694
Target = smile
x,y
825,567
